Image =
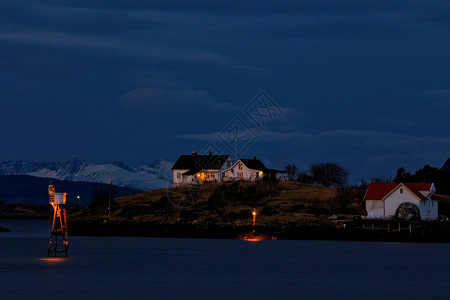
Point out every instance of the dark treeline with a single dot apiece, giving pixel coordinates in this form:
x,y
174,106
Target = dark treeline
x,y
331,174
439,177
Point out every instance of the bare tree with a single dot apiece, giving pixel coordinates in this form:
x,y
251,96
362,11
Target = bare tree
x,y
291,172
329,174
344,196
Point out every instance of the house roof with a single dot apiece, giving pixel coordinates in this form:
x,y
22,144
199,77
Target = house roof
x,y
196,163
378,191
256,164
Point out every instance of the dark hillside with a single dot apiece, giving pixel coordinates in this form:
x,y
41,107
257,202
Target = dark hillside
x,y
30,189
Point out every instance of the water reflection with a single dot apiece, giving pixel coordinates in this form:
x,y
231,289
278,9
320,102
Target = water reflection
x,y
252,237
54,260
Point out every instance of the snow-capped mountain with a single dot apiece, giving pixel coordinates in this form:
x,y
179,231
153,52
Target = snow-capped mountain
x,y
146,177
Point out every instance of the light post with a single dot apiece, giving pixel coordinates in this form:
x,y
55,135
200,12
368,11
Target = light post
x,y
254,219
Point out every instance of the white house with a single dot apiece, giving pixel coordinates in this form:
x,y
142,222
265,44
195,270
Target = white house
x,y
251,170
383,199
196,169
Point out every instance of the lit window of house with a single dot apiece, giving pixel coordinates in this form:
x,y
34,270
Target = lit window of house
x,y
240,166
240,175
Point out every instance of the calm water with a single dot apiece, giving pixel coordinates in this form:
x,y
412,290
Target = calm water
x,y
154,268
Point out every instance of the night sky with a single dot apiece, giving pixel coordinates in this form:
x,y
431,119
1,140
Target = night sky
x,y
362,83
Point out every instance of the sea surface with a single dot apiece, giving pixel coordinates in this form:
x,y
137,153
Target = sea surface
x,y
157,268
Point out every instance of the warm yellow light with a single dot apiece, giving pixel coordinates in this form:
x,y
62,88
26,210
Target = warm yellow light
x,y
254,213
252,237
252,240
54,260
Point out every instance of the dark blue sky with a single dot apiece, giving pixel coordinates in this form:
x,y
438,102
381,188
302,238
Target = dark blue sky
x,y
362,83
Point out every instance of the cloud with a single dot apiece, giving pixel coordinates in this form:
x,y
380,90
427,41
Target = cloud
x,y
361,138
70,19
223,7
163,99
120,46
213,137
438,94
352,140
438,97
399,123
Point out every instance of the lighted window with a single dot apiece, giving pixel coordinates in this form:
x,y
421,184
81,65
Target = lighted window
x,y
241,175
240,166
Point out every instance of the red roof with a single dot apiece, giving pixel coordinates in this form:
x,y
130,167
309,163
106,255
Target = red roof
x,y
377,191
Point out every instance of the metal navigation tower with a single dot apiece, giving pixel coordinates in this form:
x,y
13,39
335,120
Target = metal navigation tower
x,y
59,227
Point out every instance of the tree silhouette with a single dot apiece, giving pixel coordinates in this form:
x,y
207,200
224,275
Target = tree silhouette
x,y
291,172
328,174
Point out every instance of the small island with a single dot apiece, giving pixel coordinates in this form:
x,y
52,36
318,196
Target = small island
x,y
284,210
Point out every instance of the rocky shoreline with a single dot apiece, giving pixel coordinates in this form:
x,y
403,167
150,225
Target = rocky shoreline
x,y
3,229
350,231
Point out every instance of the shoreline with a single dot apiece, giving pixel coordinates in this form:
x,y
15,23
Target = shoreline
x,y
417,232
4,229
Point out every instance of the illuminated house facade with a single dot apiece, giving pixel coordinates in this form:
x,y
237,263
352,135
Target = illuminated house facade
x,y
383,199
197,169
251,170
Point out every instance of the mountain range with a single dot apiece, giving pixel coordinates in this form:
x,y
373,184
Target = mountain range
x,y
146,177
31,189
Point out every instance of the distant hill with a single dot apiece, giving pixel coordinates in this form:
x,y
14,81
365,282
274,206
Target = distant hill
x,y
30,189
446,166
145,177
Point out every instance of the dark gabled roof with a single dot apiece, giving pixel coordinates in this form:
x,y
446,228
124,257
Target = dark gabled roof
x,y
199,162
256,164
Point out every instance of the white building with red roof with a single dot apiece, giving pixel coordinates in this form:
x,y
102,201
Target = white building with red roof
x,y
383,199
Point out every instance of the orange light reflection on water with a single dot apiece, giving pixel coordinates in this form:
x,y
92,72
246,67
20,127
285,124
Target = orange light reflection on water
x,y
251,237
252,240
